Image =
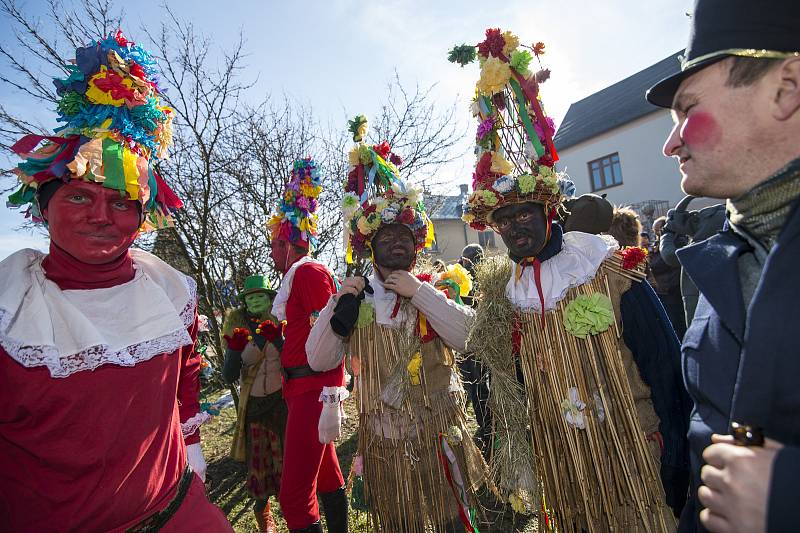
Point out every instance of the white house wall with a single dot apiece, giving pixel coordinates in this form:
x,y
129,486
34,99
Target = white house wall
x,y
646,173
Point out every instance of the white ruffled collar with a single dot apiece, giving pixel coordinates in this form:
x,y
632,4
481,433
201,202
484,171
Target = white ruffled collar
x,y
577,263
70,331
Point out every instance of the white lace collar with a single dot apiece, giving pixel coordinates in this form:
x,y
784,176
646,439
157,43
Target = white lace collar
x,y
282,297
75,330
577,263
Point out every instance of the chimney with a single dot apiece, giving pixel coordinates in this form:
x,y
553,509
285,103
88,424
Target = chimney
x,y
464,189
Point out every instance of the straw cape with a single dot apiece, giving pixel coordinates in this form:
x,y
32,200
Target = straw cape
x,y
116,128
571,439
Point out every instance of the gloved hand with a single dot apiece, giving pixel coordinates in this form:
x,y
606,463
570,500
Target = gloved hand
x,y
194,454
681,222
345,314
238,339
270,330
330,419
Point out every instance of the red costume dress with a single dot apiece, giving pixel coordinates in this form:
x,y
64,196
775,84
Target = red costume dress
x,y
308,466
91,422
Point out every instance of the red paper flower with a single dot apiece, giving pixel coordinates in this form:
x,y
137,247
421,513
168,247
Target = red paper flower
x,y
369,209
493,45
383,149
406,216
546,160
632,257
396,159
484,167
425,277
477,226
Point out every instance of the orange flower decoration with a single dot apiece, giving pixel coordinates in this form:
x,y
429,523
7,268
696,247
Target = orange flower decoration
x,y
538,49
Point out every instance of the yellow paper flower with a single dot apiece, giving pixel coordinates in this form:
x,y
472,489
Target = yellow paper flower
x,y
363,226
495,73
511,43
468,218
414,367
460,276
354,156
500,164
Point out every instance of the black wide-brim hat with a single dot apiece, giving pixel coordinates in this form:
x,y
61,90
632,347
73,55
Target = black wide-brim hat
x,y
724,28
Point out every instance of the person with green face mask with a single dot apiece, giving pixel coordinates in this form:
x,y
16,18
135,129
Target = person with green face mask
x,y
253,338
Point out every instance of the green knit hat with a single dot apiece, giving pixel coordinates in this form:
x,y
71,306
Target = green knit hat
x,y
256,284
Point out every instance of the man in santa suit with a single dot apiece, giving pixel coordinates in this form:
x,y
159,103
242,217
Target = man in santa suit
x,y
99,429
309,466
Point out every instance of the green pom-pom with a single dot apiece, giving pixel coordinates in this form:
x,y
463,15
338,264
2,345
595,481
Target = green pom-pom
x,y
588,315
71,104
520,60
366,315
358,127
463,54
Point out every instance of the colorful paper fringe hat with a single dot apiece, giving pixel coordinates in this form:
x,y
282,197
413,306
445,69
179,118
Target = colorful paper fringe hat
x,y
296,219
115,129
515,152
375,195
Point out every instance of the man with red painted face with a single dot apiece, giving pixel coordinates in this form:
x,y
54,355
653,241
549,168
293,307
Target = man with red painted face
x,y
736,107
99,429
420,468
594,353
310,466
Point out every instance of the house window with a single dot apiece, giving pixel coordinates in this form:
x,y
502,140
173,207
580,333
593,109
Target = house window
x,y
486,239
605,172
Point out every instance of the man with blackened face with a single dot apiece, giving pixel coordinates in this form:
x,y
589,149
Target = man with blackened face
x,y
523,228
570,318
402,328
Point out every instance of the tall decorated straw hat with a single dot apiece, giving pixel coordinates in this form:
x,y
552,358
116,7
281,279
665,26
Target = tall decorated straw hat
x,y
296,219
115,129
514,139
375,195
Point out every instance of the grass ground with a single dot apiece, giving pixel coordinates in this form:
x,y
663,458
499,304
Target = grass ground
x,y
226,479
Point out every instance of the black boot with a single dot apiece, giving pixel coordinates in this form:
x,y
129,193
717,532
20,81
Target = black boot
x,y
335,506
316,527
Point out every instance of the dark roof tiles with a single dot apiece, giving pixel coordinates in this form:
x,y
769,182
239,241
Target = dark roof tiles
x,y
613,106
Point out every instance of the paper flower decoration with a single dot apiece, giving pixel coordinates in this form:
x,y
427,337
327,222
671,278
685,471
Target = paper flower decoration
x,y
588,315
514,138
366,314
633,256
376,195
572,408
456,280
114,128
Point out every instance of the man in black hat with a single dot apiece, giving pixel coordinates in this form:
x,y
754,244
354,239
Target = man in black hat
x,y
736,106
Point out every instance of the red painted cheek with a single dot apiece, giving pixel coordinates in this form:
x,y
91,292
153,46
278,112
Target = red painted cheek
x,y
701,131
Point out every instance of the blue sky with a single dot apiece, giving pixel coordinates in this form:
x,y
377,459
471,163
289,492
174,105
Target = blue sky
x,y
338,55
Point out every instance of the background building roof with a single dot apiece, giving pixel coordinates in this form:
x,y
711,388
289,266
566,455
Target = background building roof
x,y
441,207
613,106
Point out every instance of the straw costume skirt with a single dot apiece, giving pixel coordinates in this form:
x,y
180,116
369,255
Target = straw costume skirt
x,y
590,415
420,466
